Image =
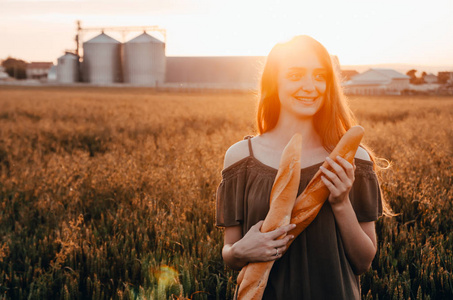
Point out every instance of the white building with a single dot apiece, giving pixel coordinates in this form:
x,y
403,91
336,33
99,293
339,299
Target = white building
x,y
102,60
52,75
144,61
377,81
67,70
38,70
3,74
430,78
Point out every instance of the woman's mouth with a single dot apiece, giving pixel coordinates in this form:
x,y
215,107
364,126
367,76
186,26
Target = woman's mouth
x,y
307,100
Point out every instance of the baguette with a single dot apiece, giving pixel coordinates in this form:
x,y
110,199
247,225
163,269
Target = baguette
x,y
309,203
253,277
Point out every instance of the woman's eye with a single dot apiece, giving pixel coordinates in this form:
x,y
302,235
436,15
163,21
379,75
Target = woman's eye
x,y
294,76
320,77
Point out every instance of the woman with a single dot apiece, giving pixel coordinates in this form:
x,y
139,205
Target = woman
x,y
300,93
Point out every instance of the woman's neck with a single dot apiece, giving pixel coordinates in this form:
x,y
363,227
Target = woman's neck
x,y
287,126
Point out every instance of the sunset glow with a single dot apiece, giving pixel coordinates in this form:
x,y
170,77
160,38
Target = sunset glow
x,y
358,32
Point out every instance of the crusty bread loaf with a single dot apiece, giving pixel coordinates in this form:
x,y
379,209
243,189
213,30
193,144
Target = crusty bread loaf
x,y
253,277
309,203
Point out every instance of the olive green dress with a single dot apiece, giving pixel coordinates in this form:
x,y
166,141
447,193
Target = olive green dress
x,y
315,266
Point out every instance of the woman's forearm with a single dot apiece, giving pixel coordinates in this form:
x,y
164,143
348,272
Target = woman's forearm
x,y
232,258
359,239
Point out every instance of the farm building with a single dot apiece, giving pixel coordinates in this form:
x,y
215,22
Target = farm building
x,y
377,81
430,78
38,70
68,68
102,60
52,75
3,74
346,75
235,72
144,61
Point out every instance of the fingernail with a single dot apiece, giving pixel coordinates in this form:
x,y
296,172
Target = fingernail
x,y
328,158
293,225
292,237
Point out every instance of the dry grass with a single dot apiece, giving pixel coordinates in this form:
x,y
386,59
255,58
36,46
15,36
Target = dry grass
x,y
110,193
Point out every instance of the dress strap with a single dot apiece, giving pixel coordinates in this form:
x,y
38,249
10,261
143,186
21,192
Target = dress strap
x,y
249,138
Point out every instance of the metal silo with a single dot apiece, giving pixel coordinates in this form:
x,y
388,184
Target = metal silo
x,y
144,61
102,60
68,68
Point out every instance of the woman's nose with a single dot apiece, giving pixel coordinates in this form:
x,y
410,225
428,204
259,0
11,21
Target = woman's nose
x,y
306,84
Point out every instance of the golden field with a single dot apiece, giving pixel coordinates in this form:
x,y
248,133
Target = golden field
x,y
109,193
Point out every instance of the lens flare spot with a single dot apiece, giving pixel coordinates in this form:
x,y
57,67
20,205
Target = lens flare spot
x,y
167,276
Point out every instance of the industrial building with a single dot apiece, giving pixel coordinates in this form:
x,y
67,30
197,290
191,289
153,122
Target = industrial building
x,y
102,60
68,68
229,72
142,61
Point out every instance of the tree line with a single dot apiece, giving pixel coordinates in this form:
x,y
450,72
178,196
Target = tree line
x,y
15,68
442,77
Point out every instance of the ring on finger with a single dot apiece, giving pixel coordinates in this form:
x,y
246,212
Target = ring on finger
x,y
276,254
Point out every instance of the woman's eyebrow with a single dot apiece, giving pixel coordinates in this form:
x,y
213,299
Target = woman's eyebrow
x,y
304,69
297,69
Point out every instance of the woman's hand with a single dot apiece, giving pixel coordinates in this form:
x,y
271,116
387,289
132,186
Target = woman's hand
x,y
257,246
339,182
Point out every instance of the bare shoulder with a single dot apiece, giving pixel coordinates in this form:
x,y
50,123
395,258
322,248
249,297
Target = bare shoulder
x,y
235,153
362,154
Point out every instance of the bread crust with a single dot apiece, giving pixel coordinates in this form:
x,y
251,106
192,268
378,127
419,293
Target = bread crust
x,y
253,277
310,201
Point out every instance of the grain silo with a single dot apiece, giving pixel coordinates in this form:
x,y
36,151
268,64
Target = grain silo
x,y
102,60
144,61
68,68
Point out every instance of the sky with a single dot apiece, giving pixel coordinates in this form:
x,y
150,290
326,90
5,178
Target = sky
x,y
357,31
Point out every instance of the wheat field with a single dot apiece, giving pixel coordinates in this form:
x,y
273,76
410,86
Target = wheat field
x,y
109,193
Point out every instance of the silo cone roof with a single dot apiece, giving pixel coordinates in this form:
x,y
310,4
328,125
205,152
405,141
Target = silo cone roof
x,y
103,39
68,55
145,38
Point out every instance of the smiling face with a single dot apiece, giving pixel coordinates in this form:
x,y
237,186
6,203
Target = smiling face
x,y
302,83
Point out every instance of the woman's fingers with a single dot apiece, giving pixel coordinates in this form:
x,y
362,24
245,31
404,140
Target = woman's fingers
x,y
347,166
275,243
339,180
339,169
343,172
282,242
331,176
277,252
274,234
263,246
257,226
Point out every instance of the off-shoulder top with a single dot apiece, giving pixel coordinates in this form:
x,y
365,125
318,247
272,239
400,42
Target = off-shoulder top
x,y
315,266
